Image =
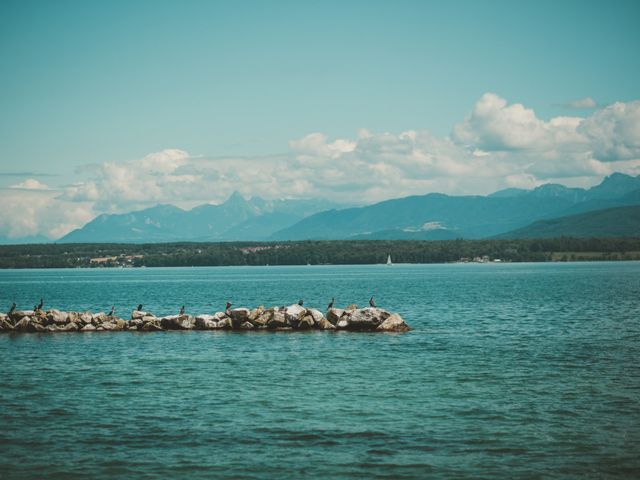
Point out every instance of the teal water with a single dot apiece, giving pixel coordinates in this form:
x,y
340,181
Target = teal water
x,y
511,371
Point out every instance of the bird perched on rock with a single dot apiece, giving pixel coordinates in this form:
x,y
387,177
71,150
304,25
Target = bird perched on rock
x,y
39,306
372,303
300,302
330,306
112,311
182,310
140,307
13,308
228,306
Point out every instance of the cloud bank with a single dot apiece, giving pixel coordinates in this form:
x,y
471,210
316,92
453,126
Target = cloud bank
x,y
496,145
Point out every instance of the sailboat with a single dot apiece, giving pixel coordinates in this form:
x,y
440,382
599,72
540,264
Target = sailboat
x,y
389,260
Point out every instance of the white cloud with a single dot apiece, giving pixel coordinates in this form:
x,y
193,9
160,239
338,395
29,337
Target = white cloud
x,y
40,212
497,145
614,132
582,103
30,184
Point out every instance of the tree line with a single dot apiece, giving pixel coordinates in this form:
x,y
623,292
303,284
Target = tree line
x,y
315,252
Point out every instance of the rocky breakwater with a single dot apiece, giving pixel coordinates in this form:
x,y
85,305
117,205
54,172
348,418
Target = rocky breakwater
x,y
291,318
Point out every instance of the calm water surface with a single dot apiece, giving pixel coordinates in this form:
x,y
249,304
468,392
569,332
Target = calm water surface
x,y
519,370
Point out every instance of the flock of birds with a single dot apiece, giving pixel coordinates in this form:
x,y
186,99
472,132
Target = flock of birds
x,y
38,308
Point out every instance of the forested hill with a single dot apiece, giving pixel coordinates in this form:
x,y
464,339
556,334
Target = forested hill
x,y
611,222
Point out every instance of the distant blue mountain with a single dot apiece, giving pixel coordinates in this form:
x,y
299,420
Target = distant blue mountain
x,y
463,216
235,219
434,216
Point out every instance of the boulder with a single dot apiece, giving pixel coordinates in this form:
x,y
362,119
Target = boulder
x,y
366,318
69,327
220,316
140,314
24,325
306,323
294,313
88,328
178,322
137,322
108,326
53,328
152,326
263,319
334,315
342,324
325,324
38,327
394,323
206,322
5,325
226,323
87,317
20,314
255,313
247,326
240,314
315,314
351,307
57,317
278,320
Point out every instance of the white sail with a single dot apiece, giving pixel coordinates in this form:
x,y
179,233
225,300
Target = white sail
x,y
389,260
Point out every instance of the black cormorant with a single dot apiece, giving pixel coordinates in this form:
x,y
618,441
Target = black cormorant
x,y
112,311
13,308
300,302
330,306
372,303
182,310
140,307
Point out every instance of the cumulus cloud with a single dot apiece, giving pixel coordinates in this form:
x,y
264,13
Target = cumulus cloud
x,y
29,212
496,145
614,132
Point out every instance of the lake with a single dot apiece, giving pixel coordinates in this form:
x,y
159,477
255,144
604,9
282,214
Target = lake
x,y
511,370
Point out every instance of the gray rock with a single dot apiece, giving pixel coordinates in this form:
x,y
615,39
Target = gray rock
x,y
152,326
226,323
57,317
315,314
69,327
240,314
178,322
278,320
394,323
20,314
206,322
366,318
140,314
255,313
306,323
88,328
294,313
325,324
6,326
247,326
334,315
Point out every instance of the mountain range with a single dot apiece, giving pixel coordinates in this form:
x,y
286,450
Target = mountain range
x,y
434,216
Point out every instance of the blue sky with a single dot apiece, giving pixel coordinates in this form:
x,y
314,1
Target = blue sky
x,y
86,83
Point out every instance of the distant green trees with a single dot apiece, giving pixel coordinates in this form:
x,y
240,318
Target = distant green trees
x,y
320,252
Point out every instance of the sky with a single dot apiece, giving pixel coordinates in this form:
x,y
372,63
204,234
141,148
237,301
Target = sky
x,y
120,105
